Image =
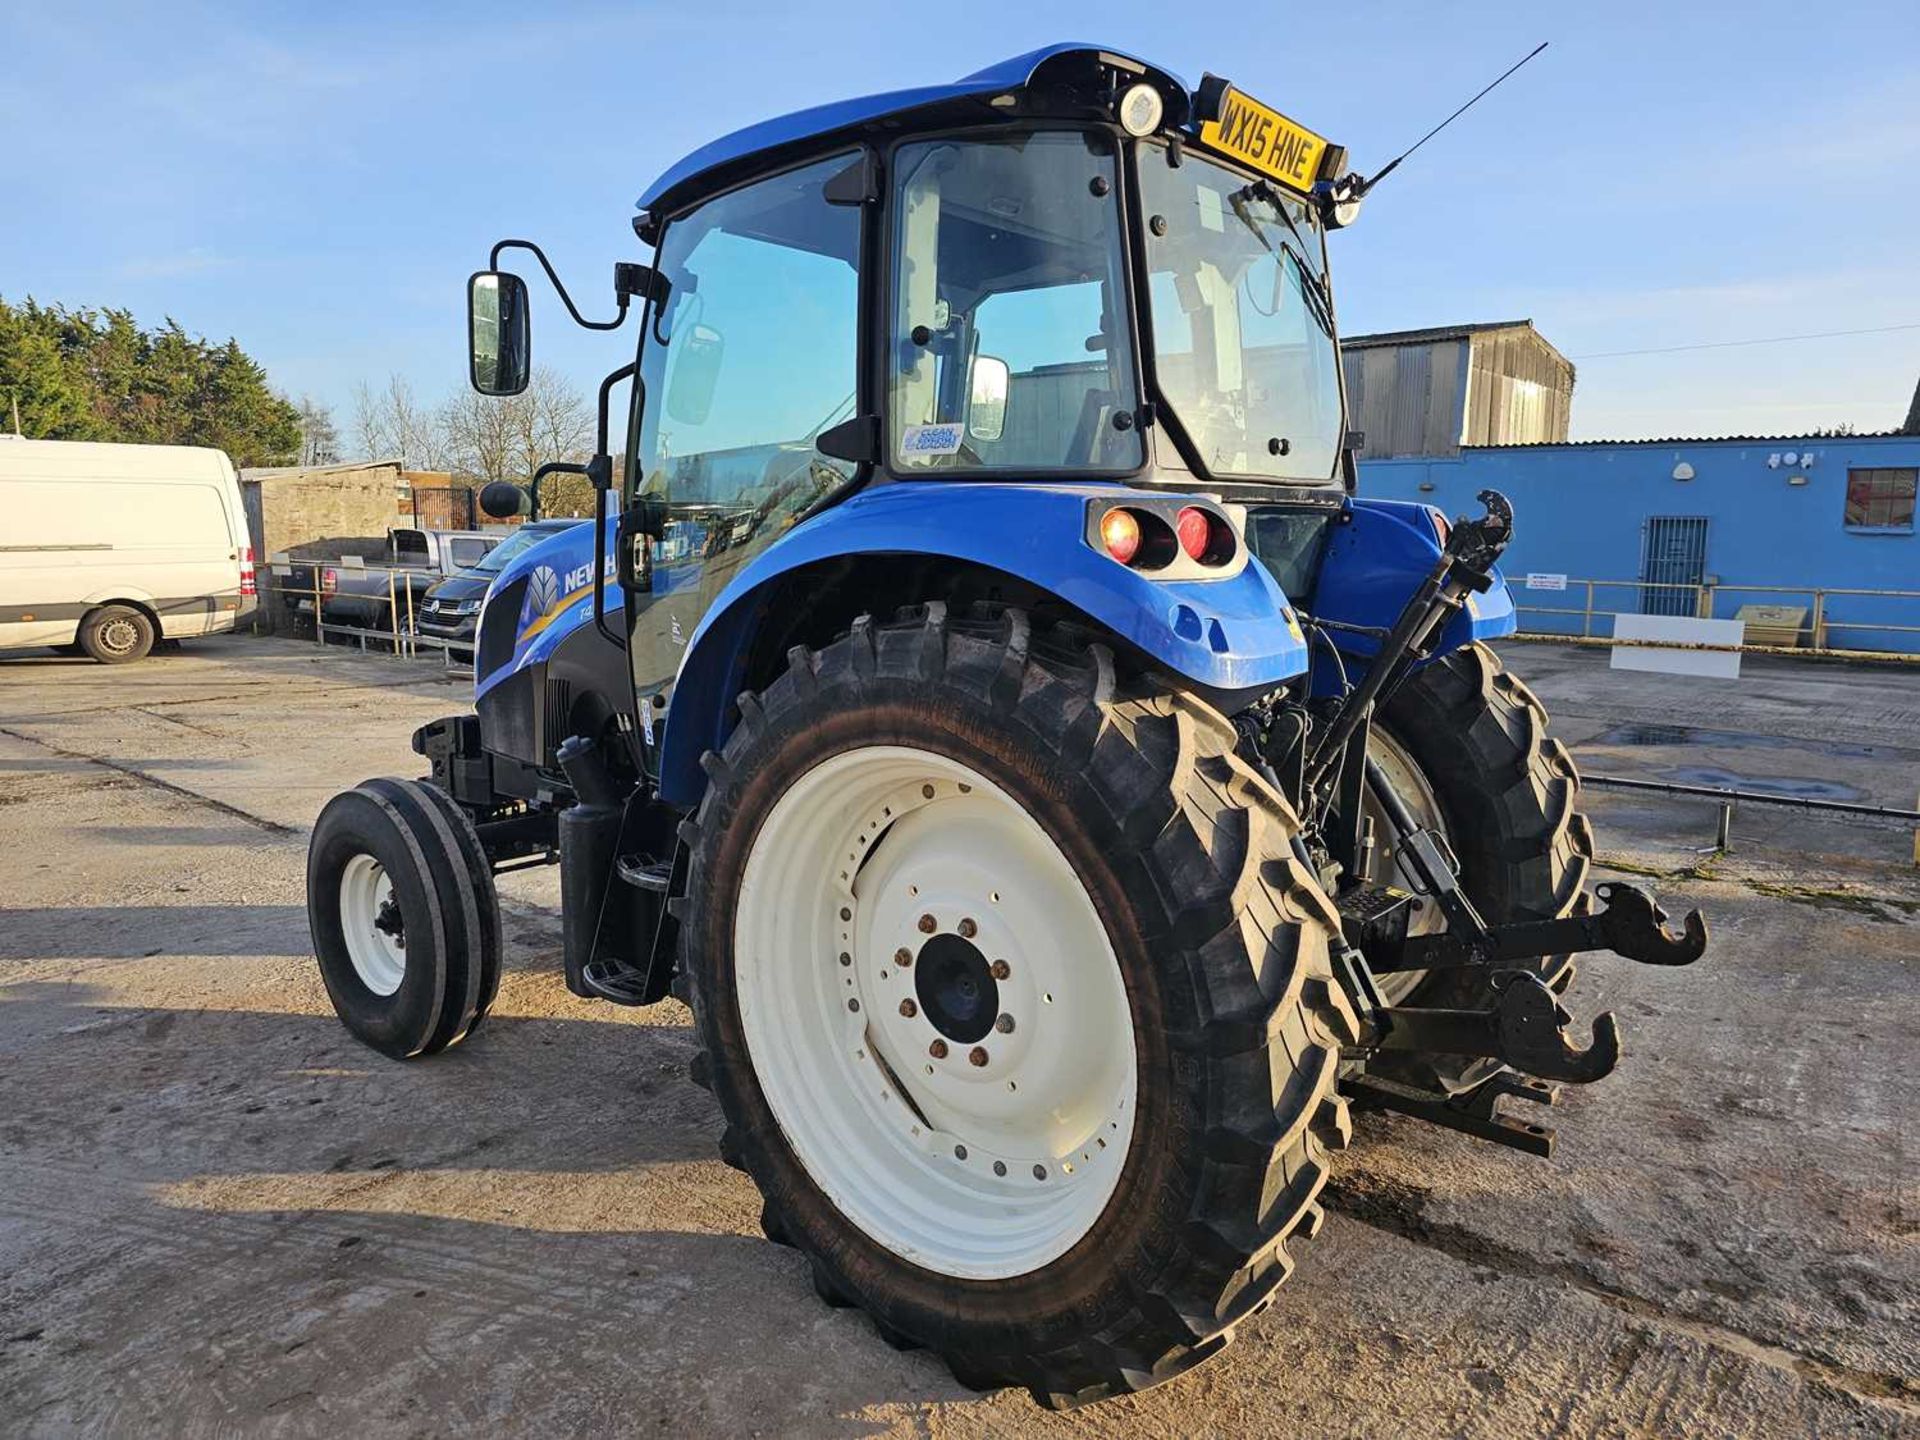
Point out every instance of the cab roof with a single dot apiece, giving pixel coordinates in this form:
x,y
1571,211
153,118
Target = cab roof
x,y
719,162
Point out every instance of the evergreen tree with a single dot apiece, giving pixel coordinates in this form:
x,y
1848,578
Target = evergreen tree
x,y
96,375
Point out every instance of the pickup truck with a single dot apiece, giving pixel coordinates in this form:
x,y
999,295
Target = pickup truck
x,y
451,608
360,595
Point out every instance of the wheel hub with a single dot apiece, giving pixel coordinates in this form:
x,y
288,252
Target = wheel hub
x,y
935,1012
389,921
956,989
372,925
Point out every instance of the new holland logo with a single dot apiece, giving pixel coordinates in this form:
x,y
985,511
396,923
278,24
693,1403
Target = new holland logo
x,y
543,590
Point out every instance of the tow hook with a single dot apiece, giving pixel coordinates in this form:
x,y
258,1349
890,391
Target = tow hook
x,y
1630,923
1525,1029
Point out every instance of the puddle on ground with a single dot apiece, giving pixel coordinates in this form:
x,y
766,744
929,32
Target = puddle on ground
x,y
1792,786
1740,740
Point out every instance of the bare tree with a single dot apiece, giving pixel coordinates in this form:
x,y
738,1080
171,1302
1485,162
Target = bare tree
x,y
319,436
390,424
480,438
509,438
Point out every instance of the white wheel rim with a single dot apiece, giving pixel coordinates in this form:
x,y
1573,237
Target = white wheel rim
x,y
118,635
379,959
1410,784
978,1171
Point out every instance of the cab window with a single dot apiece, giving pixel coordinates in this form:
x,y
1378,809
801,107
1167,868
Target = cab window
x,y
1009,335
751,358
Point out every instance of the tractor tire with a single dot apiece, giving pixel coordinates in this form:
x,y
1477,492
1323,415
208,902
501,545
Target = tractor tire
x,y
1507,795
117,634
405,926
1080,1198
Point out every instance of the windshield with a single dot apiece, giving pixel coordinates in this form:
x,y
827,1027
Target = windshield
x,y
1242,327
525,538
1010,333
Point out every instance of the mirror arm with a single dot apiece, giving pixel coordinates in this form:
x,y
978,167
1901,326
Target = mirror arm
x,y
552,467
493,263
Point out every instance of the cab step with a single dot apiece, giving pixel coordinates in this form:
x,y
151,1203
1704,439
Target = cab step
x,y
645,873
617,981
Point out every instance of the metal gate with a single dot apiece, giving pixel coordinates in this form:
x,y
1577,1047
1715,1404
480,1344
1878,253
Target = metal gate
x,y
1673,554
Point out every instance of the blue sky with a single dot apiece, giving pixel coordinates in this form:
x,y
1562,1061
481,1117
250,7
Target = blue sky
x,y
319,180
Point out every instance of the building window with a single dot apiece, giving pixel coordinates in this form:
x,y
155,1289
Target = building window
x,y
1881,499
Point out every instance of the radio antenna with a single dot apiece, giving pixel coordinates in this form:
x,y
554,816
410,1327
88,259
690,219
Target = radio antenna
x,y
1393,164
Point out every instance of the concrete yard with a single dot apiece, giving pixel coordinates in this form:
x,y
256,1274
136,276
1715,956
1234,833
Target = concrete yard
x,y
220,1214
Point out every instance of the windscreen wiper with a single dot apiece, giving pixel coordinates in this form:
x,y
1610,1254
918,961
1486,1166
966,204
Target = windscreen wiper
x,y
1319,302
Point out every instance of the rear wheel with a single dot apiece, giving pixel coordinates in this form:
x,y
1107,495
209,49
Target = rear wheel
x,y
404,918
1465,745
1015,1000
117,634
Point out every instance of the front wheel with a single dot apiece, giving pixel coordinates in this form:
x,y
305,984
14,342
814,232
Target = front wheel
x,y
117,634
1015,1000
405,920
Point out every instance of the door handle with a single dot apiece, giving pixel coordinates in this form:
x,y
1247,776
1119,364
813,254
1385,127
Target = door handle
x,y
639,528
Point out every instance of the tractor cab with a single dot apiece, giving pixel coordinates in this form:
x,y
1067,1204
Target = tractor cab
x,y
1069,268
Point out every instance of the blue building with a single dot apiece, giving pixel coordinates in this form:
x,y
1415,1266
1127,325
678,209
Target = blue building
x,y
1697,527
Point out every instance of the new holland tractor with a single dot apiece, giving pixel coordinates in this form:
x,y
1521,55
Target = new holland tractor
x,y
985,701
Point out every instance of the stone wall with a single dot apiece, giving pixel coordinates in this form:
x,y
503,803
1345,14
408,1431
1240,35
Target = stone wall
x,y
293,511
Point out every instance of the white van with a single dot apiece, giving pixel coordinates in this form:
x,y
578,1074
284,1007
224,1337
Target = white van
x,y
105,549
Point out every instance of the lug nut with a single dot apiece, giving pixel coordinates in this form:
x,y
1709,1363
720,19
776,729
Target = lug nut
x,y
903,957
909,1009
977,1056
928,925
1001,970
1004,1024
968,929
938,1049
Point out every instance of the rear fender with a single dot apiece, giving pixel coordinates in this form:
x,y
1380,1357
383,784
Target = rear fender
x,y
1232,634
1378,553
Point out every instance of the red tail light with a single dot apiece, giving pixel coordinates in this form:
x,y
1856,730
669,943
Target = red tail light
x,y
1120,533
1204,536
329,581
1195,529
248,582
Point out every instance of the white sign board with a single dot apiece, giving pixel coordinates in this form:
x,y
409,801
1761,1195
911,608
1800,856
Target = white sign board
x,y
1536,581
1711,664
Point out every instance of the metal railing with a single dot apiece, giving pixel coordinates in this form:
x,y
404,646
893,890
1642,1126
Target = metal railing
x,y
1826,628
400,632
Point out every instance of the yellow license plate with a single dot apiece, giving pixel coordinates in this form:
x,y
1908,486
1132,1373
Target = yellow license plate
x,y
1266,140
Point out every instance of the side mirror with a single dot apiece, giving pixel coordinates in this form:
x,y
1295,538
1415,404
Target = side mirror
x,y
987,404
499,342
502,500
696,375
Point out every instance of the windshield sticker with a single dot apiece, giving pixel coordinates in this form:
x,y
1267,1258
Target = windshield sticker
x,y
1213,211
932,440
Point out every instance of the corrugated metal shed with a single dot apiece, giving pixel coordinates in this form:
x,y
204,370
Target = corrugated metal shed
x,y
1428,392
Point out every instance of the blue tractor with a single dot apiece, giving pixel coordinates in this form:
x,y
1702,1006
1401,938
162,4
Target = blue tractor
x,y
985,701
